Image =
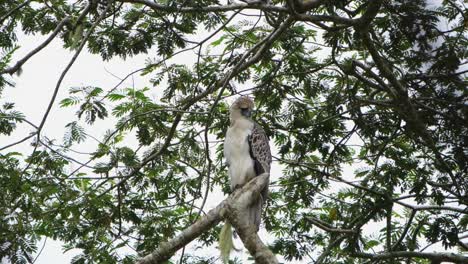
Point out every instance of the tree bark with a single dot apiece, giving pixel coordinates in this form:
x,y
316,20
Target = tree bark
x,y
233,209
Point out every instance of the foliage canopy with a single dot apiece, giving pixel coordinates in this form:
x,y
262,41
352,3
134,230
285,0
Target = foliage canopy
x,y
364,101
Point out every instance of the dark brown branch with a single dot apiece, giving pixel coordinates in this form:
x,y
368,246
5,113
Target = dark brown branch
x,y
19,141
32,134
363,21
407,111
411,254
322,257
213,8
388,227
433,76
370,13
356,224
434,207
325,226
306,5
70,64
325,18
371,74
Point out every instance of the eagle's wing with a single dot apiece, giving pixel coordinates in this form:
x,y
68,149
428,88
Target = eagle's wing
x,y
260,153
260,150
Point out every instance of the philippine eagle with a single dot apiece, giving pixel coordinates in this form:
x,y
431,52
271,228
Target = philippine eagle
x,y
248,155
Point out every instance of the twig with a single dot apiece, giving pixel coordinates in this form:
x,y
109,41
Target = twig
x,y
13,10
65,71
40,251
19,141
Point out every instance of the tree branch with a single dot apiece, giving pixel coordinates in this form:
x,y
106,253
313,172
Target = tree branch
x,y
18,7
212,8
434,207
411,254
22,61
306,5
325,226
363,21
326,18
369,14
405,230
407,109
65,71
230,208
236,215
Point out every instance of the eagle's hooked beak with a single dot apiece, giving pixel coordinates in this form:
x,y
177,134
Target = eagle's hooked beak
x,y
246,112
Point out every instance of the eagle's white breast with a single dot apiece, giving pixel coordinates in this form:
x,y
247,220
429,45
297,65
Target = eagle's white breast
x,y
236,151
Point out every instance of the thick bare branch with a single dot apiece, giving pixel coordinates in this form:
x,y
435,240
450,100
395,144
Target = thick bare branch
x,y
235,214
228,208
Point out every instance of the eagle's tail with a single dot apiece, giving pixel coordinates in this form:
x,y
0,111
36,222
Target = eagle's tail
x,y
226,243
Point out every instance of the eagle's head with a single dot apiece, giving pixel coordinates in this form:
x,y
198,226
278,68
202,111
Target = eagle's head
x,y
243,106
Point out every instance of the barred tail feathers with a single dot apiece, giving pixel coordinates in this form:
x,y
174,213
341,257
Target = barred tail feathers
x,y
226,243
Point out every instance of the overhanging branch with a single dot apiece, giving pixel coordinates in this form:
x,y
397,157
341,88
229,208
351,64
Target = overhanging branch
x,y
211,8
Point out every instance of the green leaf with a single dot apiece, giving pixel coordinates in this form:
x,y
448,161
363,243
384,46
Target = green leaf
x,y
115,97
370,244
218,41
70,101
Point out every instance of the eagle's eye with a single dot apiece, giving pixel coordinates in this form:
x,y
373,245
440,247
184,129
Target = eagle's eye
x,y
246,111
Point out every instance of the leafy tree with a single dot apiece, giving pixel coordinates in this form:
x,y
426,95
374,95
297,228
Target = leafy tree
x,y
375,85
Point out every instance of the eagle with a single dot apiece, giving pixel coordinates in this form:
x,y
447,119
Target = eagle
x,y
247,153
